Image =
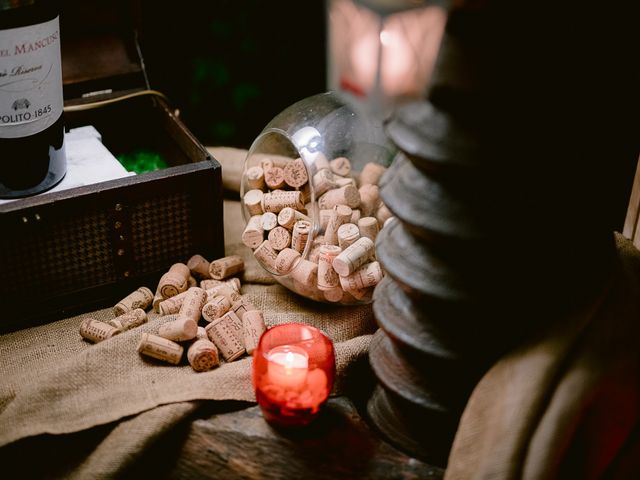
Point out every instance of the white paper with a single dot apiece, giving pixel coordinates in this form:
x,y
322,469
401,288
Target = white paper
x,y
88,161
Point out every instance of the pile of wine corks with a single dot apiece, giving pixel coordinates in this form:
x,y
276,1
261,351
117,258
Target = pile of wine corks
x,y
324,251
210,320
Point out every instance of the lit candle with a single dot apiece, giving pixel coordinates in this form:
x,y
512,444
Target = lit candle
x,y
288,367
293,370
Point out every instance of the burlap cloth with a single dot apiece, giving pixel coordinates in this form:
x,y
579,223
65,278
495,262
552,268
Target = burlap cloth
x,y
567,404
53,382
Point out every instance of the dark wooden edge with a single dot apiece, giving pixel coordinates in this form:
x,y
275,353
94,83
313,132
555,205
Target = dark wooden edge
x,y
631,228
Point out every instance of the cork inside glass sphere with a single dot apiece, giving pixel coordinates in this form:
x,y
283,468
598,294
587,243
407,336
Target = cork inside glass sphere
x,y
311,202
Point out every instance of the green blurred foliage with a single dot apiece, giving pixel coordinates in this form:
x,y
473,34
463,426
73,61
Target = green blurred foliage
x,y
231,66
142,161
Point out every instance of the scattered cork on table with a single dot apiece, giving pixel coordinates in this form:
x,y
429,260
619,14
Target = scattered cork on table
x,y
234,325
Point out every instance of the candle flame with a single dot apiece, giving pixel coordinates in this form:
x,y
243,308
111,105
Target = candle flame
x,y
288,358
288,363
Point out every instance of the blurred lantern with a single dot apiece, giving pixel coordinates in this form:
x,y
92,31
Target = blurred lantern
x,y
382,58
382,52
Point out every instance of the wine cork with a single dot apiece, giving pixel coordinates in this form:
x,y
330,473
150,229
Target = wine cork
x,y
348,196
305,194
225,267
279,238
369,199
318,240
269,221
255,178
141,298
216,307
286,260
253,327
320,162
340,215
334,294
225,291
383,214
202,333
295,173
354,256
191,282
323,181
300,235
324,216
361,294
157,298
347,235
266,255
229,288
356,215
344,181
199,266
160,348
288,216
223,333
305,272
274,178
314,253
175,281
340,166
172,304
368,227
367,275
192,304
253,202
232,283
266,164
129,320
276,201
347,298
371,173
96,331
203,355
179,330
253,234
241,307
327,276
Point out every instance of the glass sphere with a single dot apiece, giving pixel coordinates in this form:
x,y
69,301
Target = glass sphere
x,y
311,202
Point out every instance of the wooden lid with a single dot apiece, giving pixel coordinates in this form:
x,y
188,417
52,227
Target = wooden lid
x,y
99,47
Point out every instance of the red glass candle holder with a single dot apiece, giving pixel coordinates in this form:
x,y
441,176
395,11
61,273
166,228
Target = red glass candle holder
x,y
293,370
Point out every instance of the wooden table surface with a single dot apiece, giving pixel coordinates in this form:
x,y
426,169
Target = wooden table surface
x,y
339,445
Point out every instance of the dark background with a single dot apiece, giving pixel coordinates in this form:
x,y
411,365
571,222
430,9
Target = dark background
x,y
231,66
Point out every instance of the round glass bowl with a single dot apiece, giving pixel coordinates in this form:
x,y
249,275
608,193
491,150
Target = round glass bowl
x,y
293,371
311,201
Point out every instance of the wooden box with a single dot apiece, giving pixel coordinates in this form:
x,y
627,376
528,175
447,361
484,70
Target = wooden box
x,y
68,252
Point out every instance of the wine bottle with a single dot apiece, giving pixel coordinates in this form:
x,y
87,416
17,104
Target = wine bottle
x,y
32,153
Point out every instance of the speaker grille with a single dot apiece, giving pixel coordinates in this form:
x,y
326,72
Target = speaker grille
x,y
161,232
55,258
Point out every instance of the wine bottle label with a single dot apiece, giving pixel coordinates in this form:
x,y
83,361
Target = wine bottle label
x,y
30,79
